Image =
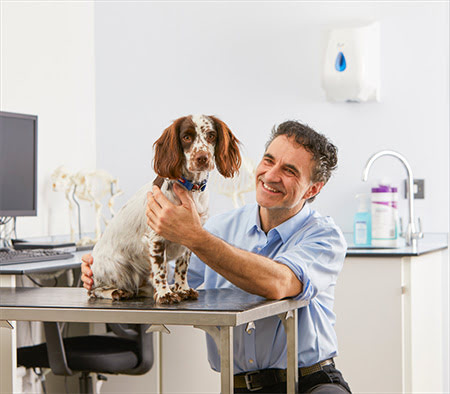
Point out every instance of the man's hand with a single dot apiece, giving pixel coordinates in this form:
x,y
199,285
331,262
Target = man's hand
x,y
86,272
176,223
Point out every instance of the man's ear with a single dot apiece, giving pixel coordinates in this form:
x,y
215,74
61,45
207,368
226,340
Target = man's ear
x,y
313,190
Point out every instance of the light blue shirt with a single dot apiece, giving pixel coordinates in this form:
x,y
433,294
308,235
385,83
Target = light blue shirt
x,y
313,247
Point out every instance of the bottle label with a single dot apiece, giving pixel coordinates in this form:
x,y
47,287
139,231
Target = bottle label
x,y
384,222
360,233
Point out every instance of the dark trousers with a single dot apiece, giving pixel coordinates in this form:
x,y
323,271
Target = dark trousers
x,y
329,374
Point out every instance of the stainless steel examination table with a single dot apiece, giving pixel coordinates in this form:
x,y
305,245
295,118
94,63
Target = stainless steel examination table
x,y
215,311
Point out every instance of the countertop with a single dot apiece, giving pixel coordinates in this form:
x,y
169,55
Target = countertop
x,y
431,242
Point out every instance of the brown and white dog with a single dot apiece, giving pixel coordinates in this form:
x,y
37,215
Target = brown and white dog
x,y
130,259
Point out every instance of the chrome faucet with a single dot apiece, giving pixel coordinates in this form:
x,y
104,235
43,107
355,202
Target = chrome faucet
x,y
412,235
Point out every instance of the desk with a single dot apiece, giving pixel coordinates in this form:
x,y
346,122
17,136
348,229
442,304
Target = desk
x,y
8,337
41,267
216,312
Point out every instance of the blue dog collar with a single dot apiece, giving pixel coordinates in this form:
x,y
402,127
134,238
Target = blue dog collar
x,y
195,186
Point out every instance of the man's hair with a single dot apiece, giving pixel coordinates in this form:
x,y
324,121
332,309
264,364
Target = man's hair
x,y
323,151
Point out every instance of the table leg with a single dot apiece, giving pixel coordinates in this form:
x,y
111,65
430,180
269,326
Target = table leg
x,y
226,360
290,323
8,358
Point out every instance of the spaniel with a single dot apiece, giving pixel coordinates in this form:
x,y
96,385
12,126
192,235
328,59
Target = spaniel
x,y
130,259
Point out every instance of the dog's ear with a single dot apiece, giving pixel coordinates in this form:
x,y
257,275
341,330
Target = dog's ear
x,y
169,158
228,157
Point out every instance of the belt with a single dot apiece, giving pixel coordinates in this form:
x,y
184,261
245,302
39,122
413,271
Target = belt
x,y
255,380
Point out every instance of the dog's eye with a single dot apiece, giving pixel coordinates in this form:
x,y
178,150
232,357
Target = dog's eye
x,y
187,138
211,137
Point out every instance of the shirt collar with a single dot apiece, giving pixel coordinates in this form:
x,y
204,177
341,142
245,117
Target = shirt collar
x,y
253,222
285,229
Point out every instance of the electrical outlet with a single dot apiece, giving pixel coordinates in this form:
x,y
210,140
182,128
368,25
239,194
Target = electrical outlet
x,y
419,188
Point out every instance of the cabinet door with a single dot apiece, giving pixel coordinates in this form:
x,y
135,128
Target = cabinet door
x,y
368,306
423,324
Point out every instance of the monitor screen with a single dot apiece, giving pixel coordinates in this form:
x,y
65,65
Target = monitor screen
x,y
18,164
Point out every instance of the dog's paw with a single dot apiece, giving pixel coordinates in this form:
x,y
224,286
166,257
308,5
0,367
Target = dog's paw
x,y
167,298
120,294
189,294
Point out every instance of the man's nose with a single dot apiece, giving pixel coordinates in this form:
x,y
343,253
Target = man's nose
x,y
272,174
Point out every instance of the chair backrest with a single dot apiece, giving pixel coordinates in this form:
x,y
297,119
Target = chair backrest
x,y
137,333
144,340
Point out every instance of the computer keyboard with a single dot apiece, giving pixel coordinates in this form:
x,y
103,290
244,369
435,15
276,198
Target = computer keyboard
x,y
31,255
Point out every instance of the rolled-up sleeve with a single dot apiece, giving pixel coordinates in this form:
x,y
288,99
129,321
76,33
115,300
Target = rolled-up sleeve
x,y
316,260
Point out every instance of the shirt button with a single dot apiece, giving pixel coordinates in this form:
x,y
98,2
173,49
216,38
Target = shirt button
x,y
250,361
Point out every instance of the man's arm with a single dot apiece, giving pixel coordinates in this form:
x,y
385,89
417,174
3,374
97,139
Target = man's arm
x,y
251,272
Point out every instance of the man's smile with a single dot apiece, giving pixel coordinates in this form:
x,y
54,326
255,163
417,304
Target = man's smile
x,y
268,188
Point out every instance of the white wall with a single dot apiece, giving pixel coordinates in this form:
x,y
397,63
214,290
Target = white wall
x,y
47,69
256,64
253,64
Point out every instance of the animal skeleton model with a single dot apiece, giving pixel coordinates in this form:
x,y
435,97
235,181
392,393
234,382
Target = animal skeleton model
x,y
90,186
236,187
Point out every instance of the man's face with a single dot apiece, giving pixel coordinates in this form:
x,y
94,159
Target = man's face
x,y
283,177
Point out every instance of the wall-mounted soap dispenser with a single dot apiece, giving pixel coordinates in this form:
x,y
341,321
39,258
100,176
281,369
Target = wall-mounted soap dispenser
x,y
351,70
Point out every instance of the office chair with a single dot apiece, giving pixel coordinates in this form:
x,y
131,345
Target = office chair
x,y
130,352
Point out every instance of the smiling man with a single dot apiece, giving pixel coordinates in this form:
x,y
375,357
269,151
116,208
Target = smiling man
x,y
276,248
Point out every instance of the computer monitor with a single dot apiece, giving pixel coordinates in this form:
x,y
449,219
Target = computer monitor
x,y
18,164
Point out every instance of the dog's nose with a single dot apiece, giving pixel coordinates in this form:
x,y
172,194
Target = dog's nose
x,y
202,159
